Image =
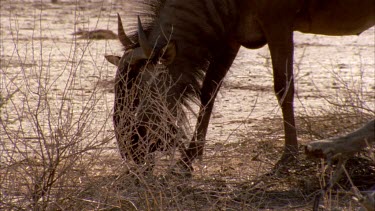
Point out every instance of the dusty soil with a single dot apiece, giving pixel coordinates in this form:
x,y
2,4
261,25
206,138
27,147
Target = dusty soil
x,y
39,54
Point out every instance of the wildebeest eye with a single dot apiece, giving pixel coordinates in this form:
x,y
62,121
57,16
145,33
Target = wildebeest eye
x,y
168,53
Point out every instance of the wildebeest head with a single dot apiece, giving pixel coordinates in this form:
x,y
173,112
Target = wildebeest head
x,y
145,117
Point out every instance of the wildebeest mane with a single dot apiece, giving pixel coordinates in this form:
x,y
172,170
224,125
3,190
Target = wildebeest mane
x,y
197,28
196,54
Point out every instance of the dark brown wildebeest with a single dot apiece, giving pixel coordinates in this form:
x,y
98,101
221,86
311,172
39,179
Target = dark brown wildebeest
x,y
189,47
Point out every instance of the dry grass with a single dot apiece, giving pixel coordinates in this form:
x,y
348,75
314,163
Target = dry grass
x,y
57,148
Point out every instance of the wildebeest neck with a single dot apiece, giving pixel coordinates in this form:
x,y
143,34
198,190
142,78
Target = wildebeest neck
x,y
199,28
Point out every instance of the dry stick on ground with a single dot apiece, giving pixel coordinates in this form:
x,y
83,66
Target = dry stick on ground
x,y
341,149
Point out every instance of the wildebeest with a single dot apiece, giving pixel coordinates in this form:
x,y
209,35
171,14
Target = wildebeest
x,y
187,49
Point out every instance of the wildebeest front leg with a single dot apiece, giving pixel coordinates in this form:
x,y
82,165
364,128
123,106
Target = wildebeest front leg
x,y
280,42
216,72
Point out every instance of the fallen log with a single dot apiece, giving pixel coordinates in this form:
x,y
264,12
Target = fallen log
x,y
341,149
344,146
99,34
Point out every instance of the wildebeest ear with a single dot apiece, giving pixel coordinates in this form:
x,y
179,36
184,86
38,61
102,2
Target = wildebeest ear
x,y
168,53
113,59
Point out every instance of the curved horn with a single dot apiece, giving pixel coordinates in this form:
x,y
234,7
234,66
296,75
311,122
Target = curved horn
x,y
142,39
136,55
125,41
